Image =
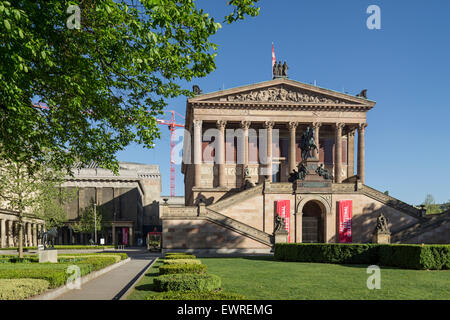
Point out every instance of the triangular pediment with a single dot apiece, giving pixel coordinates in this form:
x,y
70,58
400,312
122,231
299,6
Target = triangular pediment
x,y
280,91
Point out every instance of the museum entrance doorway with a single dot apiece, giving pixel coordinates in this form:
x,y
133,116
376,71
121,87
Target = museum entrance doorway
x,y
312,222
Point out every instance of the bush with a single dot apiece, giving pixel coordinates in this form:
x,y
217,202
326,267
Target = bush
x,y
187,282
327,252
407,256
410,256
177,253
180,256
182,268
20,289
196,295
182,261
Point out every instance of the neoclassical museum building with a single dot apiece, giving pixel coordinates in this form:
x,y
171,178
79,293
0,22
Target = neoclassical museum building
x,y
236,183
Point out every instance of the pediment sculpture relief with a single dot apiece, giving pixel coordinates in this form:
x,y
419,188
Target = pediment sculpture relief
x,y
283,95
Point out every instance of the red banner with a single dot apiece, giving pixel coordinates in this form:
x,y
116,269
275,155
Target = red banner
x,y
125,236
284,211
345,221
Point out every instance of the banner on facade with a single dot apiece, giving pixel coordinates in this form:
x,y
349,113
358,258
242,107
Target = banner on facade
x,y
284,211
345,221
125,236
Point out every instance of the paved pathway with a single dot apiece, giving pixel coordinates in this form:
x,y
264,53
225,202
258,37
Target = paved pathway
x,y
113,284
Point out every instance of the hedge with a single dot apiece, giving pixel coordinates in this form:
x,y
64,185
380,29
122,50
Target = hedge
x,y
181,256
187,282
182,268
408,256
182,261
196,295
177,253
55,273
65,247
327,252
20,289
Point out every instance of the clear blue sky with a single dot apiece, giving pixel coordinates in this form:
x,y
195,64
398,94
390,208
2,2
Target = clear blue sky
x,y
405,67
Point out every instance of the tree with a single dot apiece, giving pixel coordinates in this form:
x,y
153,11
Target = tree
x,y
39,193
90,218
100,86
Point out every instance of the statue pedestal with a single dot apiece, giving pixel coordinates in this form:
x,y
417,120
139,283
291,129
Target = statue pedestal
x,y
381,237
313,182
50,255
281,236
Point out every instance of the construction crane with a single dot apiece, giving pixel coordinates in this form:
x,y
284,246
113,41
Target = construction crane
x,y
171,125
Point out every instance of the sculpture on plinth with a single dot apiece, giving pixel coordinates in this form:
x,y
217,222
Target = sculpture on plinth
x,y
48,238
280,70
381,234
308,143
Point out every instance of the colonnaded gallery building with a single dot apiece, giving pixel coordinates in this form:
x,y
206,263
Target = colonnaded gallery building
x,y
236,185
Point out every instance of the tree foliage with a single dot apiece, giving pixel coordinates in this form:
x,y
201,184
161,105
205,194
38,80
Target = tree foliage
x,y
102,85
90,217
39,194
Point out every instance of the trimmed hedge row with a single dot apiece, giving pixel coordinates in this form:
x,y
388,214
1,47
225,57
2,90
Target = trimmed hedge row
x,y
66,247
56,274
20,289
187,282
182,268
180,256
409,256
182,261
196,295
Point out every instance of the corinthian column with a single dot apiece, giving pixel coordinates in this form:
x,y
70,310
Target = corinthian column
x,y
361,152
292,156
220,151
244,125
2,233
316,127
351,152
338,153
197,151
269,126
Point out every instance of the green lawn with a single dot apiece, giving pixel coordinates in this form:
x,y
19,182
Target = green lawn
x,y
263,278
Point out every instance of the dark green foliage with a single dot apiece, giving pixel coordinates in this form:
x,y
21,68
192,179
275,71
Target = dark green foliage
x,y
327,253
182,268
195,295
180,256
408,256
187,282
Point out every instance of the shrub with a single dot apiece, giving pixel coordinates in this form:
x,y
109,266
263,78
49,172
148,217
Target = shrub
x,y
180,256
182,268
20,289
196,295
327,252
411,256
182,261
177,253
187,282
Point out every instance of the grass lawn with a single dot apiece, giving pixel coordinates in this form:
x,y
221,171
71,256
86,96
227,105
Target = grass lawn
x,y
263,278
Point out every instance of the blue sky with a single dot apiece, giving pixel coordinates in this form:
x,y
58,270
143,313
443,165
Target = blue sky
x,y
405,67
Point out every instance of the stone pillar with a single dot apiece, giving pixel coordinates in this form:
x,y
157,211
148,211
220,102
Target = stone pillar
x,y
268,125
351,153
131,236
197,152
2,233
113,235
316,127
338,153
15,234
10,234
35,235
361,152
220,152
29,241
292,154
244,156
81,238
